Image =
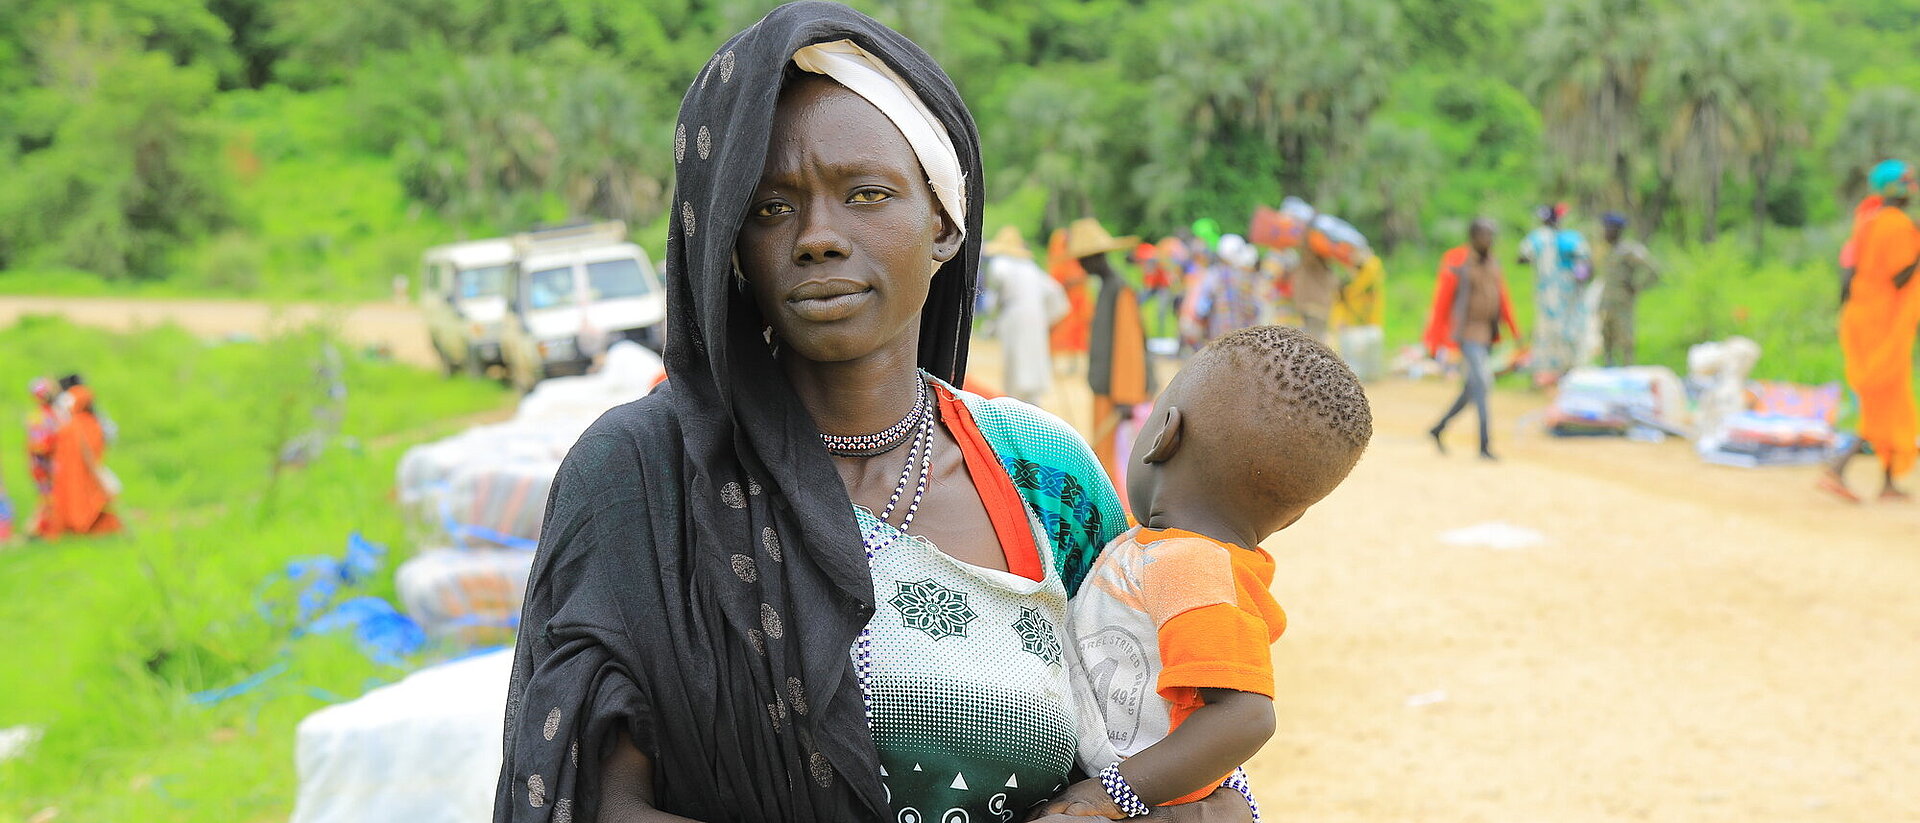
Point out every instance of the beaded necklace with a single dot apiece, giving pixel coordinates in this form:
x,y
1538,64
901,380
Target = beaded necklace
x,y
881,442
922,453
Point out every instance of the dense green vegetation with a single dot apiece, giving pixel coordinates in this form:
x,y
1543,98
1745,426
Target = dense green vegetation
x,y
312,148
300,146
103,640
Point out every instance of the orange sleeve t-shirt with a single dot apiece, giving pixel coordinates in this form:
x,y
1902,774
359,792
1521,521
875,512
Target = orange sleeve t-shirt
x,y
1167,613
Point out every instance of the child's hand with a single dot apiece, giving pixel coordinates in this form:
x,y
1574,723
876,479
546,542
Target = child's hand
x,y
1086,798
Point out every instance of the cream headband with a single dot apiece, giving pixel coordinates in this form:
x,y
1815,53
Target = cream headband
x,y
872,79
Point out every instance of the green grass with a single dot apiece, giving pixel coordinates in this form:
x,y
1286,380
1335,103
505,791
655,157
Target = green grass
x,y
102,640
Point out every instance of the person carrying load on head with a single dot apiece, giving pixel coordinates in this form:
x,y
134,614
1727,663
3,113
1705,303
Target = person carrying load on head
x,y
1627,269
1877,325
1358,317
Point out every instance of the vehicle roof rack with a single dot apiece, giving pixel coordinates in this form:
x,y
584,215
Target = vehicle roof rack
x,y
559,238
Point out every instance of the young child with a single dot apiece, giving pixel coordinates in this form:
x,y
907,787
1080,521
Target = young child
x,y
1174,622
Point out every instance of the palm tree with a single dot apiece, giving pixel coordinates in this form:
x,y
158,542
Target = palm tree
x,y
1592,60
1881,122
1785,94
1302,76
1703,81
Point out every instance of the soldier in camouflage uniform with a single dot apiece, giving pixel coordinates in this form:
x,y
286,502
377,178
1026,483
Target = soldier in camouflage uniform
x,y
1626,269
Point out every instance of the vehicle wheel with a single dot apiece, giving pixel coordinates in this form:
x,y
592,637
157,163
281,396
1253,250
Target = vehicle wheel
x,y
447,366
474,367
522,379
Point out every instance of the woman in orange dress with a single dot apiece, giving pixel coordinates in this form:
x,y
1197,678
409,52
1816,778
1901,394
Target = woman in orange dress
x,y
78,502
1877,325
1070,334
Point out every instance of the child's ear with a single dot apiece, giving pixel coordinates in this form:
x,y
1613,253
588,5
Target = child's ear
x,y
1166,443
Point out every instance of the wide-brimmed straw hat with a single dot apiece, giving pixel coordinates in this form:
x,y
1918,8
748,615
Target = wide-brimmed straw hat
x,y
1087,237
1008,243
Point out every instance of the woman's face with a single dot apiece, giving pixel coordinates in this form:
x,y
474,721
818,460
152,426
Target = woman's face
x,y
843,234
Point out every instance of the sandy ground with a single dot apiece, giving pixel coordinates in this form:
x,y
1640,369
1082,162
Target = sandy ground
x,y
1689,643
393,326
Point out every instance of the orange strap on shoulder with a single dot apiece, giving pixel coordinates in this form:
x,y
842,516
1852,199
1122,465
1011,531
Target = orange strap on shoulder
x,y
1005,507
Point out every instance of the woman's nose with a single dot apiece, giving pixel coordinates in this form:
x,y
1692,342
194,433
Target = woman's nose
x,y
820,239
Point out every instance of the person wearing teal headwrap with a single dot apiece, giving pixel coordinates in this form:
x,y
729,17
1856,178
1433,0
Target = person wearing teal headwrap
x,y
1878,324
1890,178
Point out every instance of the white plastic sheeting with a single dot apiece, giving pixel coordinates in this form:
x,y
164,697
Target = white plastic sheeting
x,y
423,750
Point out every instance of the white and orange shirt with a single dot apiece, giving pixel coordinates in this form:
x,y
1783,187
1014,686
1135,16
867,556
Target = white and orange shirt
x,y
1164,614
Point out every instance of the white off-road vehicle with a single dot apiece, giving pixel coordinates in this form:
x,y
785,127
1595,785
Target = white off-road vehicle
x,y
571,293
463,295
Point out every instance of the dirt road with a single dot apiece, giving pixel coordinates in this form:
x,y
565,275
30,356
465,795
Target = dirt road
x,y
1687,643
393,326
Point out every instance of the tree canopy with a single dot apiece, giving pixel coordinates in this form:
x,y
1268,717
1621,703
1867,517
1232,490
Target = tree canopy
x,y
164,138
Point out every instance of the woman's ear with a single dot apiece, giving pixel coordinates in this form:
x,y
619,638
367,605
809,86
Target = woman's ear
x,y
1166,442
947,242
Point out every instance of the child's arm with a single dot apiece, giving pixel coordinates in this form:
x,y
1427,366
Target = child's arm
x,y
1210,743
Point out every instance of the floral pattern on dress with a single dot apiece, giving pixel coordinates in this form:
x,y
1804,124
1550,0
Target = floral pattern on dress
x,y
932,608
1037,636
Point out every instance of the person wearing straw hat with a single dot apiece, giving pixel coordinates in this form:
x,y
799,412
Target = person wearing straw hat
x,y
1117,367
1029,302
1069,336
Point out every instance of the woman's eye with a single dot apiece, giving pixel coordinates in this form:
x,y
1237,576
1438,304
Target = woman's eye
x,y
773,209
868,196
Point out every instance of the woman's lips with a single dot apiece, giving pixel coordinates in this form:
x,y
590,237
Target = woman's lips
x,y
824,301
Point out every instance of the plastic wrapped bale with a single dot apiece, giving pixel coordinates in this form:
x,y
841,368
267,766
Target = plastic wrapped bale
x,y
427,472
1720,369
470,598
1298,223
628,372
497,503
1596,401
423,750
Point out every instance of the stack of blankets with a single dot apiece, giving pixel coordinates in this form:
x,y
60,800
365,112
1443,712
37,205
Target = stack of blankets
x,y
1614,401
1785,425
474,501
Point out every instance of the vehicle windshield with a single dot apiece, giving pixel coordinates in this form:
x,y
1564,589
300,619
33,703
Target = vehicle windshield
x,y
615,279
487,281
550,288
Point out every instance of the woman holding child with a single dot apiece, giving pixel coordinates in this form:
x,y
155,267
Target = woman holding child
x,y
808,579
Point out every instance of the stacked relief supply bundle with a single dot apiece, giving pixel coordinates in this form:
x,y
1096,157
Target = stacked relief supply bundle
x,y
427,747
474,501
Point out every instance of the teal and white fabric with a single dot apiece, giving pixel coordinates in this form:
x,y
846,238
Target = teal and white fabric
x,y
975,709
1063,484
978,709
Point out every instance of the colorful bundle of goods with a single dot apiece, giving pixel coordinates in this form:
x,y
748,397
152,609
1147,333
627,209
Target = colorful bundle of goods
x,y
1788,425
472,598
425,478
497,503
1296,224
1612,402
